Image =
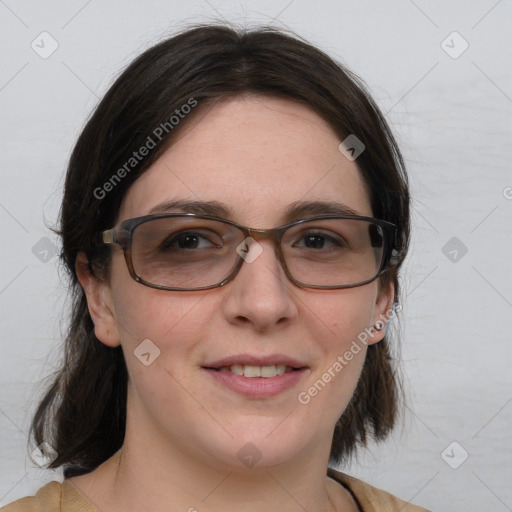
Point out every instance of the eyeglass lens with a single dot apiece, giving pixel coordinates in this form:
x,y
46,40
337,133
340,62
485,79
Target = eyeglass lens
x,y
189,252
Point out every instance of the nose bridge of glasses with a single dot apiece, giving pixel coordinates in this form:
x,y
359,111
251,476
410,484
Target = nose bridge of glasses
x,y
273,235
262,234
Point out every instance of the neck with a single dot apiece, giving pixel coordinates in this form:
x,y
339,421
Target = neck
x,y
145,480
151,473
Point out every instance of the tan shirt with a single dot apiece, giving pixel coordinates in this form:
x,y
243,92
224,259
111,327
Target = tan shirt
x,y
64,497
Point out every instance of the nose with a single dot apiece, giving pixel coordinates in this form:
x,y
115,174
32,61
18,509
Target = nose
x,y
260,294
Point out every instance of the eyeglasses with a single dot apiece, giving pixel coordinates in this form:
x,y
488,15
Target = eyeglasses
x,y
187,251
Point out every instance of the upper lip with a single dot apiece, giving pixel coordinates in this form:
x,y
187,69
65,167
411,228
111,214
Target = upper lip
x,y
255,360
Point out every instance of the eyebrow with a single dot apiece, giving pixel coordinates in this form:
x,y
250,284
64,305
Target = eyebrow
x,y
294,211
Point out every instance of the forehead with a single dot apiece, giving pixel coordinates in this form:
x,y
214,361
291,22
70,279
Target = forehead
x,y
257,156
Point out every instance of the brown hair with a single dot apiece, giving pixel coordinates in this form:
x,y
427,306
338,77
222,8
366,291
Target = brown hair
x,y
83,412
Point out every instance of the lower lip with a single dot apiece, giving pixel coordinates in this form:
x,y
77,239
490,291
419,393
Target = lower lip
x,y
258,387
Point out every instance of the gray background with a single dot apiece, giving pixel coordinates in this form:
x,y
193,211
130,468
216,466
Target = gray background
x,y
451,112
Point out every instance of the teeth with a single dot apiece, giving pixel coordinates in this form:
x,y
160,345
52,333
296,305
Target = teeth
x,y
268,371
249,370
280,369
252,371
238,369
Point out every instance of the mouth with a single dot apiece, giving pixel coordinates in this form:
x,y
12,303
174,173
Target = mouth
x,y
251,371
257,377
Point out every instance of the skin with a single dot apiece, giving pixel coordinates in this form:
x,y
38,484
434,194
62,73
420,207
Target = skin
x,y
257,155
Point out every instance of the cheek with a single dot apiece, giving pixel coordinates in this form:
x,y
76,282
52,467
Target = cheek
x,y
336,322
160,334
340,316
173,323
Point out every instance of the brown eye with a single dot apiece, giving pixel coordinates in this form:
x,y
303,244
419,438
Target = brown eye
x,y
320,240
188,240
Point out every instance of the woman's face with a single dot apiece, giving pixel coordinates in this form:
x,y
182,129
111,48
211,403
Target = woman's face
x,y
257,156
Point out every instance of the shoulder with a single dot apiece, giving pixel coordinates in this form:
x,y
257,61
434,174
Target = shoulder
x,y
47,498
370,498
52,497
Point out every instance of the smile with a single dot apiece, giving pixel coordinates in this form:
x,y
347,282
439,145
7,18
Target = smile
x,y
251,371
257,376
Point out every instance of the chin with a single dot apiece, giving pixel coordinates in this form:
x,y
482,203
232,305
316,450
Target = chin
x,y
263,444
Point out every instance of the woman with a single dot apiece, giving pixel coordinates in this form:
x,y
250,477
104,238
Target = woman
x,y
209,365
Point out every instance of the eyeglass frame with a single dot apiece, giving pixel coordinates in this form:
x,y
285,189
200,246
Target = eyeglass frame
x,y
122,235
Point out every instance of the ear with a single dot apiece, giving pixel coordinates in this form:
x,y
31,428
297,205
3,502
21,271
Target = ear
x,y
382,313
99,302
